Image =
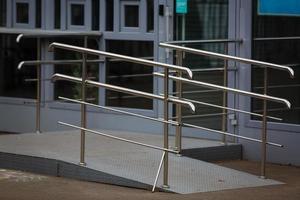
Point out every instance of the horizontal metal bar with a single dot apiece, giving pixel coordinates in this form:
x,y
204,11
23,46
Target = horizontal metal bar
x,y
119,111
39,33
230,134
278,86
227,57
118,138
197,91
277,38
130,76
113,55
231,109
208,69
35,79
206,41
203,115
122,89
279,109
242,92
118,59
55,62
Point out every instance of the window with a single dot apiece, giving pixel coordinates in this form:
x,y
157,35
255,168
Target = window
x,y
131,15
2,12
77,14
109,15
13,81
95,14
125,74
38,13
22,13
204,20
57,14
150,15
67,88
284,52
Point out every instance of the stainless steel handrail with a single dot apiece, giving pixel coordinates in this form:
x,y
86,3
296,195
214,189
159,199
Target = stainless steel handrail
x,y
242,92
125,58
119,111
169,121
119,138
165,150
165,98
231,109
56,77
55,62
228,57
214,41
230,134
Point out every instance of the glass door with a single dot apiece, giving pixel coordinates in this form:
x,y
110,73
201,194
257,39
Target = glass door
x,y
276,39
204,20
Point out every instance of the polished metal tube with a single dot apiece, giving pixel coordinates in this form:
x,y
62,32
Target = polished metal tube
x,y
231,109
230,134
213,86
118,138
178,135
158,171
126,58
166,127
65,62
83,106
38,89
125,90
181,42
264,129
225,84
227,57
119,111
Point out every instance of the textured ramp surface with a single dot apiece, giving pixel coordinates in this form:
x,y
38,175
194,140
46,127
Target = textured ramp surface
x,y
133,162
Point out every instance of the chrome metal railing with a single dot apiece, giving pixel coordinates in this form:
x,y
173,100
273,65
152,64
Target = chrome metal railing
x,y
179,51
165,98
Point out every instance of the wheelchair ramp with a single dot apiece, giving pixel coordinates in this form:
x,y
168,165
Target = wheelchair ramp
x,y
115,162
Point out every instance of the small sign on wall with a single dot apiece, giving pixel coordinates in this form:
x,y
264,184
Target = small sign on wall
x,y
181,6
279,7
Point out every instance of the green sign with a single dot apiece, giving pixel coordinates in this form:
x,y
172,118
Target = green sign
x,y
181,6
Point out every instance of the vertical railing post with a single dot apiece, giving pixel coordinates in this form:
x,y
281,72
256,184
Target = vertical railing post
x,y
166,127
178,136
264,128
83,106
39,89
225,82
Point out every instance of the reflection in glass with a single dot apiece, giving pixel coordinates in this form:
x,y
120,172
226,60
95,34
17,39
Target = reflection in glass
x,y
67,88
130,75
285,52
22,14
12,80
131,15
2,12
77,14
109,15
204,20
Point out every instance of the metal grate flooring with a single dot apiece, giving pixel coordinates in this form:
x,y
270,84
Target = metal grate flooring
x,y
133,162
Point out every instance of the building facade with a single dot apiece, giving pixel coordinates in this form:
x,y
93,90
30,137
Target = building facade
x,y
135,28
